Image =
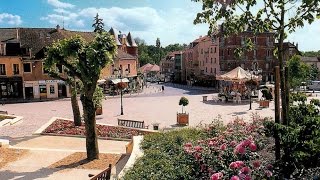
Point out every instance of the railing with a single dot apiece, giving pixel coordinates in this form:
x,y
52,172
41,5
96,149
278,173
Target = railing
x,y
104,175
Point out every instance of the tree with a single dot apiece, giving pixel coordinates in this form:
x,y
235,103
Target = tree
x,y
298,71
158,44
183,102
85,60
260,16
314,72
311,53
68,78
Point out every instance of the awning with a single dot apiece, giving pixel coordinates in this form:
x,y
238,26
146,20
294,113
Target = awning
x,y
116,81
101,81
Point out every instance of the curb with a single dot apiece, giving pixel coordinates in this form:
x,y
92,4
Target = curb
x,y
6,122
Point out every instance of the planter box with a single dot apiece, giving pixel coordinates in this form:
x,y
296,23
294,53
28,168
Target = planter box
x,y
99,111
264,103
182,118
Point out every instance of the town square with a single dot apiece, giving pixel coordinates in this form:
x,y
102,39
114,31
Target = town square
x,y
213,89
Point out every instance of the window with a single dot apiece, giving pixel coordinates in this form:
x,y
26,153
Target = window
x,y
43,88
15,69
215,49
206,69
27,67
59,68
211,60
128,68
228,52
201,51
44,71
215,60
202,63
268,53
51,89
211,70
215,71
267,66
211,50
2,69
122,70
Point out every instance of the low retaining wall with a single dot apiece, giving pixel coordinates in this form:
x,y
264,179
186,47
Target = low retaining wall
x,y
8,122
136,153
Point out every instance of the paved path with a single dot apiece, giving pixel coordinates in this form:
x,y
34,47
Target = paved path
x,y
150,106
46,150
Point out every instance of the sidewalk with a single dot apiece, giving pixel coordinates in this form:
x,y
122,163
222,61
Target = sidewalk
x,y
47,150
191,87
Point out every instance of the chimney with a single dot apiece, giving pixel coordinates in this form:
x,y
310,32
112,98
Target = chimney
x,y
297,47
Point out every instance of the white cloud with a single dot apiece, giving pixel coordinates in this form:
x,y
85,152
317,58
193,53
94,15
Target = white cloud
x,y
10,19
59,4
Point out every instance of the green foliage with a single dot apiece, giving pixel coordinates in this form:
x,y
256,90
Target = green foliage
x,y
311,53
300,140
98,96
152,54
266,94
164,157
183,102
298,71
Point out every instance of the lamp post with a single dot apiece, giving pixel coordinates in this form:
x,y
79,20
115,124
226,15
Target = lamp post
x,y
254,71
120,75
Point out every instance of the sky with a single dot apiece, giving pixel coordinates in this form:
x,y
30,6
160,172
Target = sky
x,y
169,20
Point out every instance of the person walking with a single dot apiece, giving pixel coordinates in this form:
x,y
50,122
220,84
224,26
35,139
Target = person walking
x,y
162,87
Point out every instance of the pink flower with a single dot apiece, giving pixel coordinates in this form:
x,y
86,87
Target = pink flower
x,y
233,143
247,178
239,149
245,170
253,147
223,146
246,143
233,165
212,143
240,163
188,144
235,178
269,166
216,176
256,164
198,148
268,173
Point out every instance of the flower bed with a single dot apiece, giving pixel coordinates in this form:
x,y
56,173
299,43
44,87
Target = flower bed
x,y
65,127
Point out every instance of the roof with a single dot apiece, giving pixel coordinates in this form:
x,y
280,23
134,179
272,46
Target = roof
x,y
129,41
8,34
123,55
238,74
149,67
310,59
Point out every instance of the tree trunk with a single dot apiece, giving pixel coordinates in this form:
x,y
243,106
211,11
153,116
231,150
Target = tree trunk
x,y
90,125
75,106
281,61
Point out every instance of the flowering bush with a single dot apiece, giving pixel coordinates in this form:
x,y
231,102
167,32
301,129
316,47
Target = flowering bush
x,y
235,153
64,127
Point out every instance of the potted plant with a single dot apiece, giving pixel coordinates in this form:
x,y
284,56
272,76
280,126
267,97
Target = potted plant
x,y
97,100
183,117
266,97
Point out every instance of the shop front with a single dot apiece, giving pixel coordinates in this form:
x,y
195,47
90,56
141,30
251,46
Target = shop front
x,y
46,89
11,87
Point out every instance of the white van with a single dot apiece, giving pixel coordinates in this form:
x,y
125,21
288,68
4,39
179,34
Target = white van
x,y
313,85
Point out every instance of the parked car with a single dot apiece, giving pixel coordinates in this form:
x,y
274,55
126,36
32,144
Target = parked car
x,y
313,85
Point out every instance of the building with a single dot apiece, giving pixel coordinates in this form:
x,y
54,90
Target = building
x,y
201,62
167,66
312,61
290,49
260,58
22,52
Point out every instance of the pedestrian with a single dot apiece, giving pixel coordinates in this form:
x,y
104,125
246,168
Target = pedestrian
x,y
162,87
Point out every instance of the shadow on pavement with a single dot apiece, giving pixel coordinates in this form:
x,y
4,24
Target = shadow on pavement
x,y
41,173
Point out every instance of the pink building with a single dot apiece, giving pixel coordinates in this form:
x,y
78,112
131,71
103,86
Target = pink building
x,y
201,62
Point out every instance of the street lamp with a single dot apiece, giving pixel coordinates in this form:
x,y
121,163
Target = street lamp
x,y
254,71
119,73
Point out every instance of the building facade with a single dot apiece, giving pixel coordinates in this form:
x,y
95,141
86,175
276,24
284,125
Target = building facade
x,y
22,52
260,59
167,66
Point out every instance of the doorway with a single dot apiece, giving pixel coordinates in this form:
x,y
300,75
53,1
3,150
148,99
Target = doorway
x,y
29,92
62,90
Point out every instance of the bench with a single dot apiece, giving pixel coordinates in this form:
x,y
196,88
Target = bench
x,y
132,123
104,175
